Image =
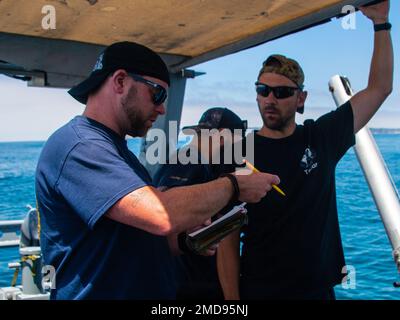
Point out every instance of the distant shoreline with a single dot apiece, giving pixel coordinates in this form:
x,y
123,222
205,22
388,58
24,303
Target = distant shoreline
x,y
374,131
385,131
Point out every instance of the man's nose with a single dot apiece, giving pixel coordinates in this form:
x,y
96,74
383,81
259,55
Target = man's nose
x,y
161,109
271,97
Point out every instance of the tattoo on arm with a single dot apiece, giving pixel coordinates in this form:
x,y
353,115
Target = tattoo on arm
x,y
163,188
136,197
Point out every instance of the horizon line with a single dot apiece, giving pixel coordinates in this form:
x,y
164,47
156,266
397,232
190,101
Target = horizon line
x,y
396,131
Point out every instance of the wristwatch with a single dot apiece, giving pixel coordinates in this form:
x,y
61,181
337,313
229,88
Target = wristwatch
x,y
382,26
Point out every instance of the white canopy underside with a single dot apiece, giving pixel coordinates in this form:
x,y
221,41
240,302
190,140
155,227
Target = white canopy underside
x,y
184,32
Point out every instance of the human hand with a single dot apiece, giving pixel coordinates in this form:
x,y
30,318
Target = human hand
x,y
378,13
254,186
212,249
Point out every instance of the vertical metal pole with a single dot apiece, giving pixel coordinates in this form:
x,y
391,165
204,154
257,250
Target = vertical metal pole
x,y
31,270
375,171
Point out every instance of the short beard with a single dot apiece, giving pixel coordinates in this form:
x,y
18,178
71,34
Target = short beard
x,y
137,123
277,125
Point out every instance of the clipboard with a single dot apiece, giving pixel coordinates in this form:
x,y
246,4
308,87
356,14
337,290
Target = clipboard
x,y
202,239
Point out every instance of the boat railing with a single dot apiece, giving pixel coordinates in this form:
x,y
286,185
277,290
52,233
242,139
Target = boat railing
x,y
33,285
10,231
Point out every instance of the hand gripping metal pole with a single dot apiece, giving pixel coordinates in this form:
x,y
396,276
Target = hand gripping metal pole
x,y
375,171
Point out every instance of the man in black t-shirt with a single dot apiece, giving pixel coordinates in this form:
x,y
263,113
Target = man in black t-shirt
x,y
292,245
197,274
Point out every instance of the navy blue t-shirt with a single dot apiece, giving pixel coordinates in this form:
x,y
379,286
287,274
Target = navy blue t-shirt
x,y
83,170
292,245
197,275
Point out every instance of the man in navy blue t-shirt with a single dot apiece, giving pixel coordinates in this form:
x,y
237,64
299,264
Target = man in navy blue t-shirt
x,y
103,224
292,245
197,274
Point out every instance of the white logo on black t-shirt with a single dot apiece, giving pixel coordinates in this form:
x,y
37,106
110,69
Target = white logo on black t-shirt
x,y
308,162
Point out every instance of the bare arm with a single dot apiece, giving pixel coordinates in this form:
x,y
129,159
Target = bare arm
x,y
173,244
366,102
172,211
182,208
228,265
172,238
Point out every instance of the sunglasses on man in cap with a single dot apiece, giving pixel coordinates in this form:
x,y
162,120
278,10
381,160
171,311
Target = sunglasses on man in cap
x,y
280,92
159,93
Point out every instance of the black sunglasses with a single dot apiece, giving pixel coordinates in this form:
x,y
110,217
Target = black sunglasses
x,y
159,92
281,92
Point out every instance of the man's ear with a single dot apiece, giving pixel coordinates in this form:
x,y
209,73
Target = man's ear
x,y
301,100
118,80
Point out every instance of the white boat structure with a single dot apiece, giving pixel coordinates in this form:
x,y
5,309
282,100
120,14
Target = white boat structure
x,y
185,33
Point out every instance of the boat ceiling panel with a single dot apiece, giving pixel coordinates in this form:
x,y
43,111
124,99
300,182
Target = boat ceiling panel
x,y
184,32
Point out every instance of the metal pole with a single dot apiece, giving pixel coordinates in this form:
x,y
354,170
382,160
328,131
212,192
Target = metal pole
x,y
174,108
31,263
375,171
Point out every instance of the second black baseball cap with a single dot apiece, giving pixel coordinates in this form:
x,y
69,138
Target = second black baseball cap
x,y
219,118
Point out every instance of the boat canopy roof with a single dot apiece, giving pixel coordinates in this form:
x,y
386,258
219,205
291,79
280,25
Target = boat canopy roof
x,y
184,32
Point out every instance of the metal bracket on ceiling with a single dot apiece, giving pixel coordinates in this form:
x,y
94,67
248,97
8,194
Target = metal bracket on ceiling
x,y
191,74
34,78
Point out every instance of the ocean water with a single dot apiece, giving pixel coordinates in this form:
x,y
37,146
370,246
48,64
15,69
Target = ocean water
x,y
367,249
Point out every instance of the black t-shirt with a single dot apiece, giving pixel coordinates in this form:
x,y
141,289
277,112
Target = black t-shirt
x,y
292,245
197,275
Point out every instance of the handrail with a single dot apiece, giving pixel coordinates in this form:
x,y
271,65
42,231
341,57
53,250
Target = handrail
x,y
9,233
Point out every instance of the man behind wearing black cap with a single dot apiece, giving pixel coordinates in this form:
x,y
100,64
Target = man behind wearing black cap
x,y
197,275
103,224
295,251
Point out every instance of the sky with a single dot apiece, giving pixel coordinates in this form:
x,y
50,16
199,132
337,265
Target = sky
x,y
32,114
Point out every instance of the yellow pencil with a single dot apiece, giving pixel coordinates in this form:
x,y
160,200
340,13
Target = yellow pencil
x,y
254,169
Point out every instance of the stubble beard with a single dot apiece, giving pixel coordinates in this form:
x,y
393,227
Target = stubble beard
x,y
279,123
136,119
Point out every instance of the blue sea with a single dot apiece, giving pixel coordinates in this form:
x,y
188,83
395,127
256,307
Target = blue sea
x,y
367,249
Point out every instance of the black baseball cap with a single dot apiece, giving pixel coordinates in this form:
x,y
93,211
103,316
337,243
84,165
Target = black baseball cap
x,y
130,56
219,118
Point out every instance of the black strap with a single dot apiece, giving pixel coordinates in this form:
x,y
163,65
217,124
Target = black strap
x,y
382,26
235,184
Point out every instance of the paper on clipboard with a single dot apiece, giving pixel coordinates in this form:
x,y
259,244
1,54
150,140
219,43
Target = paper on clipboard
x,y
218,221
202,239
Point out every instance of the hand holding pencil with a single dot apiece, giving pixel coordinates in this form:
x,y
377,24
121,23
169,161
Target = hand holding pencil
x,y
254,187
254,169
